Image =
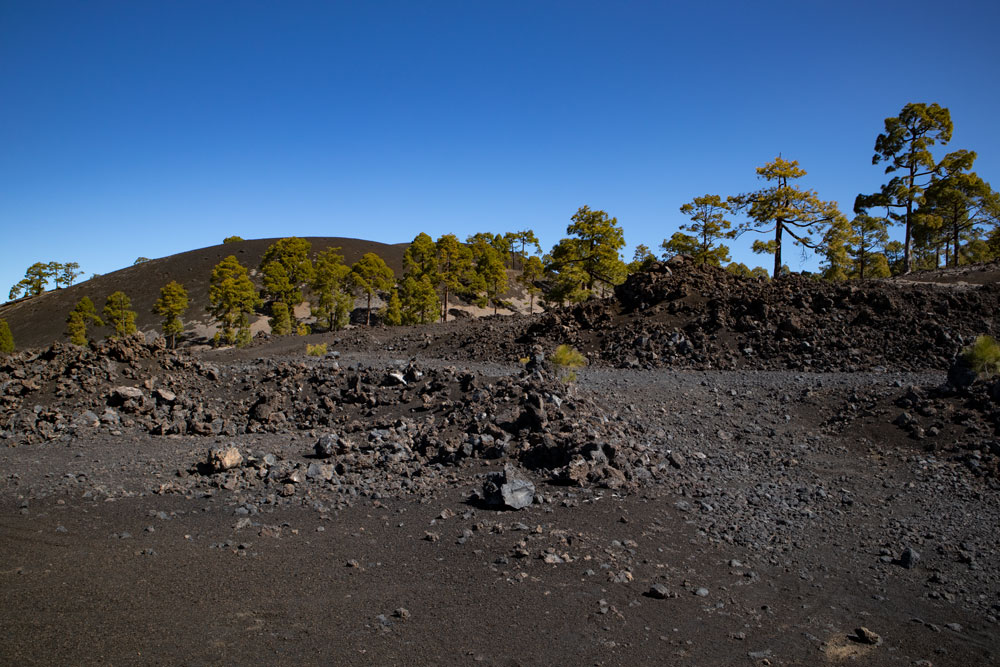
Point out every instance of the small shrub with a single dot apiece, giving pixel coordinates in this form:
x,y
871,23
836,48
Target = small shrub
x,y
232,239
983,356
565,359
304,329
317,350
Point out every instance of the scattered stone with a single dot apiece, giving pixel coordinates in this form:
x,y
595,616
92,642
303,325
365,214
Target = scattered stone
x,y
327,445
121,394
865,636
659,592
676,459
909,558
224,458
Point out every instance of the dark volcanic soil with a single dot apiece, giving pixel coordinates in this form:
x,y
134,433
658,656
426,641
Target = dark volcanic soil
x,y
706,506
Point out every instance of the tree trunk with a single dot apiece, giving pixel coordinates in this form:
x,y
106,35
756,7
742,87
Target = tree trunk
x,y
909,216
954,245
861,258
444,310
779,226
368,319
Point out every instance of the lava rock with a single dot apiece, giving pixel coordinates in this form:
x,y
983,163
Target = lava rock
x,y
327,445
865,636
909,558
508,489
224,458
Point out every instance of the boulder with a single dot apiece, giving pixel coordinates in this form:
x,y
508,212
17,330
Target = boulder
x,y
508,489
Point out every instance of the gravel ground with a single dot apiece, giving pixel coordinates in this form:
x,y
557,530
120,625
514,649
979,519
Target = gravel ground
x,y
786,513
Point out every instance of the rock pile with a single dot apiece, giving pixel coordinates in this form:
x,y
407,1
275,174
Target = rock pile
x,y
387,421
681,314
961,420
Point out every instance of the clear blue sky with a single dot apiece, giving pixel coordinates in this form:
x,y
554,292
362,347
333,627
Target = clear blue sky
x,y
148,128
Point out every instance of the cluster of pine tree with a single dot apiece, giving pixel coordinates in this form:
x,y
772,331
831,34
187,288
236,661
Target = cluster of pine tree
x,y
37,277
945,209
118,315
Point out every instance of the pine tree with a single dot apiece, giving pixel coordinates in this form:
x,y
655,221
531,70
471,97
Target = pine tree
x,y
868,233
65,274
501,243
232,297
417,292
173,302
490,276
371,275
642,259
783,209
119,314
893,252
905,145
36,277
243,338
835,248
679,244
594,245
281,323
76,329
959,204
420,258
6,338
394,310
419,301
83,315
566,280
589,259
531,272
454,263
293,254
523,238
331,289
277,285
286,267
708,225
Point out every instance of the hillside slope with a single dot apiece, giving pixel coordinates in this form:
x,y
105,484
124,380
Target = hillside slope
x,y
38,321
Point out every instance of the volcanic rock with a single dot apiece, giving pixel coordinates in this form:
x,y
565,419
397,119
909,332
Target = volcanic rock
x,y
224,458
508,489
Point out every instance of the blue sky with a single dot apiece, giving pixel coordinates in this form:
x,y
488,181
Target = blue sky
x,y
148,128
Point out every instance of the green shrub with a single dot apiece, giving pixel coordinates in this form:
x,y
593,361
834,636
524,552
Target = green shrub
x,y
303,329
317,350
983,356
565,359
